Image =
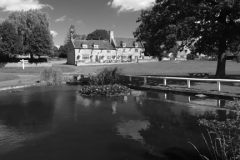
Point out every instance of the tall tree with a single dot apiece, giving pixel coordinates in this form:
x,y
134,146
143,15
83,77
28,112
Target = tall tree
x,y
207,24
10,42
99,34
40,41
73,30
26,22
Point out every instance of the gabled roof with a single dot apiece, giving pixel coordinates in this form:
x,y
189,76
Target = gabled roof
x,y
90,43
129,42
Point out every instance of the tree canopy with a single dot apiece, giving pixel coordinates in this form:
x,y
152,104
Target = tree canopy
x,y
25,25
208,25
10,42
40,41
99,34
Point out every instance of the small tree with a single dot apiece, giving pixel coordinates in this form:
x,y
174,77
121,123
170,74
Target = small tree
x,y
62,52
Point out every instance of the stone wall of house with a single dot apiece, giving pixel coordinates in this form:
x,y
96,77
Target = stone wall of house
x,y
71,55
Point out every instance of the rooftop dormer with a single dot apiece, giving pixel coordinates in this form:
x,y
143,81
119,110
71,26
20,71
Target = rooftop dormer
x,y
135,44
95,46
123,44
84,45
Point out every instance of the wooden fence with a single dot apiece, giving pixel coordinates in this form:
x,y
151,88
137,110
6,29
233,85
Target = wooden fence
x,y
187,79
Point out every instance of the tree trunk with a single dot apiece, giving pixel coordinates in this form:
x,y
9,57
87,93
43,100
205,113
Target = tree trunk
x,y
221,64
31,56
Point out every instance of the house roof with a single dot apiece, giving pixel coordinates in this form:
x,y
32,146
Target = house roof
x,y
91,43
129,42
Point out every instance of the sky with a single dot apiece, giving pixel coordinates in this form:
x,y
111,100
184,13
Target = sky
x,y
86,15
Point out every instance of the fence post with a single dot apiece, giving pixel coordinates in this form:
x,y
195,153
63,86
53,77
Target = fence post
x,y
130,78
188,83
165,81
145,80
219,85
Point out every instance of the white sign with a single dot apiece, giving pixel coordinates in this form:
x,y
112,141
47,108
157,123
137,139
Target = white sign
x,y
23,61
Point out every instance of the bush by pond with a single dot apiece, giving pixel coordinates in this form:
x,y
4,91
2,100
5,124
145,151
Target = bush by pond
x,y
52,76
104,90
106,76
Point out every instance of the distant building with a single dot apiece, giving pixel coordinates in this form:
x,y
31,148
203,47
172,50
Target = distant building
x,y
97,51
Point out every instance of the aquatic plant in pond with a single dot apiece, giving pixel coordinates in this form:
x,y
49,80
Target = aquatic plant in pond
x,y
224,136
105,83
104,90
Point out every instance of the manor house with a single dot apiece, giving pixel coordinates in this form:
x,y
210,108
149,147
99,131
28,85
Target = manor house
x,y
117,49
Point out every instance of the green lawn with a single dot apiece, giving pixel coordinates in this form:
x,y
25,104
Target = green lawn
x,y
7,77
33,70
180,68
174,68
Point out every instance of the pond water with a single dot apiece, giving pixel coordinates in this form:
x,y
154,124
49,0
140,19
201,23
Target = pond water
x,y
56,122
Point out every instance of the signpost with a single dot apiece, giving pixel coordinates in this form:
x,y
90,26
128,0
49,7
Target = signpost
x,y
23,62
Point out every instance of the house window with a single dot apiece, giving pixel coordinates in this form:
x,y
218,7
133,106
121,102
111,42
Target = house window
x,y
108,51
124,51
123,44
136,50
109,57
95,46
84,46
136,44
85,56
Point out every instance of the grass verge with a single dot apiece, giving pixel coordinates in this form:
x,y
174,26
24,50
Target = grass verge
x,y
34,70
7,77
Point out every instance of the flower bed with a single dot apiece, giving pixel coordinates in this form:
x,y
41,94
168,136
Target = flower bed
x,y
104,90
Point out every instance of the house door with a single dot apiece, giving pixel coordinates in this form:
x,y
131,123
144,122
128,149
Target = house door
x,y
96,59
130,58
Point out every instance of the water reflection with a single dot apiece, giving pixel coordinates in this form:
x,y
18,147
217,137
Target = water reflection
x,y
114,107
131,129
59,118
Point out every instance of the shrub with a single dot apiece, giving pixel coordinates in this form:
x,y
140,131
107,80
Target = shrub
x,y
104,90
106,76
52,76
191,56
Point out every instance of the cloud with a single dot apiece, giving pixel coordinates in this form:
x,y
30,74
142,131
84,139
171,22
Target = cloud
x,y
130,5
79,22
18,5
54,33
61,19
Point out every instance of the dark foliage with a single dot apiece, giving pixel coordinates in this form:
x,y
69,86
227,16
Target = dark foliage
x,y
208,25
99,34
104,90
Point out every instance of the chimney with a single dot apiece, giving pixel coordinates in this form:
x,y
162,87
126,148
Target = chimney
x,y
111,38
71,34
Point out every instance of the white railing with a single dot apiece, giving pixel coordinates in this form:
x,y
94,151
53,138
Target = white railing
x,y
188,80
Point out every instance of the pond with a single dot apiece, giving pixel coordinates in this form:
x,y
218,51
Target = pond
x,y
56,122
